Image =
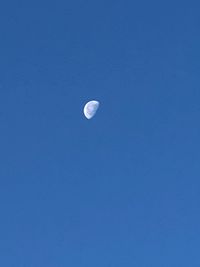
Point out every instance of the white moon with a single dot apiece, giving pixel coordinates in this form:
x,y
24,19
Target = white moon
x,y
90,109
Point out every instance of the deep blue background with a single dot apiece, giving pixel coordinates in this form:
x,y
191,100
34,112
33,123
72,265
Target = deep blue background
x,y
122,189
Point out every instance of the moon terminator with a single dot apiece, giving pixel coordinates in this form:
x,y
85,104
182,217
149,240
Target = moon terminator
x,y
90,109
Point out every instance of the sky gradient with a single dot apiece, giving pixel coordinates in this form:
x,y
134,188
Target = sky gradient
x,y
121,189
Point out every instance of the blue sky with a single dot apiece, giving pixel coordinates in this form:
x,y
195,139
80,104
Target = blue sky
x,y
122,189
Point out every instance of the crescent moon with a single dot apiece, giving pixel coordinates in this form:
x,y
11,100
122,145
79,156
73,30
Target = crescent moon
x,y
90,109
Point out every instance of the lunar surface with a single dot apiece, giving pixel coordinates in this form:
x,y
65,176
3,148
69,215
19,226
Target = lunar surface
x,y
90,109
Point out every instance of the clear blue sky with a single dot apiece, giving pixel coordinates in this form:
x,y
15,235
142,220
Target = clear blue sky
x,y
122,189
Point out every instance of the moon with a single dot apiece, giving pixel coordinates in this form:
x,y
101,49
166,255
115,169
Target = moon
x,y
90,109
